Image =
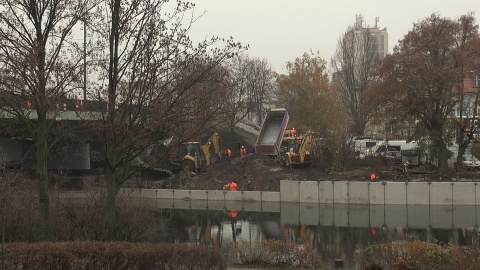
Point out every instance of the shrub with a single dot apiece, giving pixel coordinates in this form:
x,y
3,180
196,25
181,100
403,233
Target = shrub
x,y
277,254
417,255
112,255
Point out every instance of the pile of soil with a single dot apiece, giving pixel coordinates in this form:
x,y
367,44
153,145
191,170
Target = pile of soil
x,y
264,172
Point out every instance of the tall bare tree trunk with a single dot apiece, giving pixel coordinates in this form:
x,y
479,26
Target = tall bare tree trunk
x,y
44,201
110,204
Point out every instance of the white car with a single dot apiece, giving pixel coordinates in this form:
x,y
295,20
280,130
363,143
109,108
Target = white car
x,y
470,162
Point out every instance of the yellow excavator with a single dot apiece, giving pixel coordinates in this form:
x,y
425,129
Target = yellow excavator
x,y
299,150
192,156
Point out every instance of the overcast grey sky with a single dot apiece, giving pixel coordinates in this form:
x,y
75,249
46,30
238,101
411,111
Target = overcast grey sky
x,y
281,30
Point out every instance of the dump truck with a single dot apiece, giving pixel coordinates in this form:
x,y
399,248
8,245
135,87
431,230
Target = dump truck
x,y
271,134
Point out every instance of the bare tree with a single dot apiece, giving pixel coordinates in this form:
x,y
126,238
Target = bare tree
x,y
354,71
155,87
251,83
41,65
422,78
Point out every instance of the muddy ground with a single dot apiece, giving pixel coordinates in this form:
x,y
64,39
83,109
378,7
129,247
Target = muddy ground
x,y
265,173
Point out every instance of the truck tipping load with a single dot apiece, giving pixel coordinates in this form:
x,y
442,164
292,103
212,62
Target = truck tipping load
x,y
271,135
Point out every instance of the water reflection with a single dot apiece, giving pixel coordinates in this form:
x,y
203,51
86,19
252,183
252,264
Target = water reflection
x,y
335,231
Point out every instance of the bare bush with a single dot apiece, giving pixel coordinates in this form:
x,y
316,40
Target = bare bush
x,y
417,255
277,253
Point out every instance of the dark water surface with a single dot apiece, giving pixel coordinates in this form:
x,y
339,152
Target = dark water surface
x,y
335,231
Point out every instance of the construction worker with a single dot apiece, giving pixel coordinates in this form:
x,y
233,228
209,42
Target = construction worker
x,y
405,169
373,177
228,153
232,186
243,151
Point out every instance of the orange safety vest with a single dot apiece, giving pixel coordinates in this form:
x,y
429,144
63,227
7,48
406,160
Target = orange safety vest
x,y
228,153
243,151
232,214
373,177
232,186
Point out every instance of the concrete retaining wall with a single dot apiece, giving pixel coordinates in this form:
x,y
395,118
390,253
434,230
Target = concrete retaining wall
x,y
373,193
332,192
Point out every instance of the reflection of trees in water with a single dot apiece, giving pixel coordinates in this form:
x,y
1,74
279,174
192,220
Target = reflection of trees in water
x,y
204,227
333,242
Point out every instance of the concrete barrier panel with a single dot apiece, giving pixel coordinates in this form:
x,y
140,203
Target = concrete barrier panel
x,y
357,192
418,193
252,196
234,196
326,214
270,196
165,194
340,214
180,194
308,191
148,193
464,193
199,204
376,193
309,213
216,195
325,192
441,193
182,204
395,193
418,216
289,191
164,203
198,195
290,213
340,192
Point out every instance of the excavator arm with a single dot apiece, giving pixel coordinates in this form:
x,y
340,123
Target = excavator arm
x,y
216,146
307,144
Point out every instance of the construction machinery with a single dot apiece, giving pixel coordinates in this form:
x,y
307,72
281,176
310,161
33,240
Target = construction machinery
x,y
193,156
214,140
271,134
298,150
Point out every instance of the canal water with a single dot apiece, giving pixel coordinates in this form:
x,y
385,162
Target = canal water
x,y
335,231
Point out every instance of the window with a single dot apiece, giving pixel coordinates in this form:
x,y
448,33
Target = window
x,y
476,80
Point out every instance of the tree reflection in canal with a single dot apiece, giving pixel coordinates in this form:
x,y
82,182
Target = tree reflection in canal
x,y
335,231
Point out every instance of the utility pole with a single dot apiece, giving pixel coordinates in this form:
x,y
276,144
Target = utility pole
x,y
4,204
85,56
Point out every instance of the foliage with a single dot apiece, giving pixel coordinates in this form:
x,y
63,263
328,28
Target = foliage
x,y
309,97
277,254
417,255
421,77
111,255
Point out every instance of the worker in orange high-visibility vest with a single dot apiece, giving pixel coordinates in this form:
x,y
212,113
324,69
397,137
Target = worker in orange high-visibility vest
x,y
243,151
232,186
228,153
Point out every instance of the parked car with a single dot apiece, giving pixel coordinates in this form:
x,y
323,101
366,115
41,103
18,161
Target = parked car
x,y
470,162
